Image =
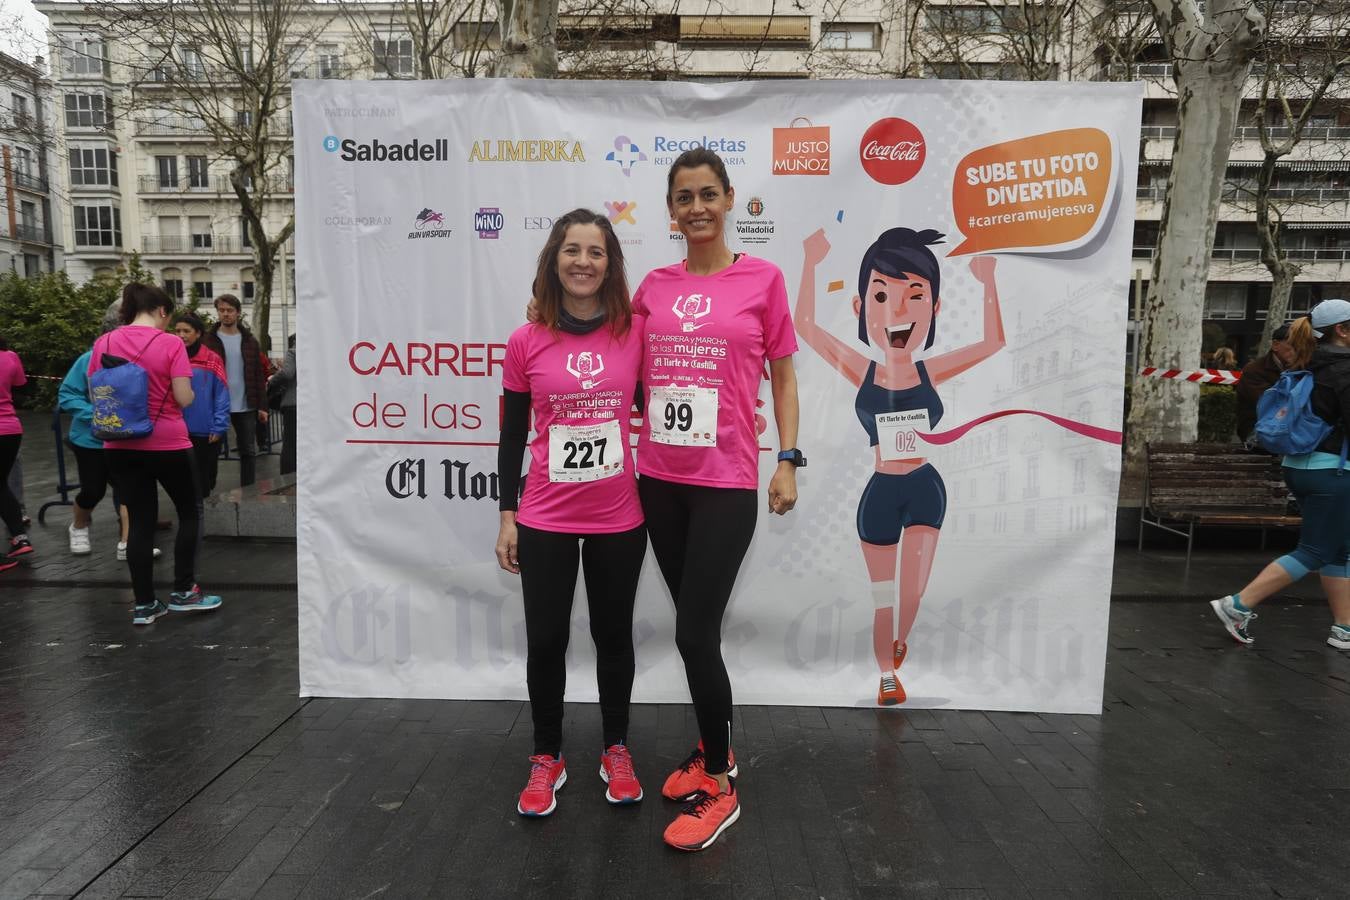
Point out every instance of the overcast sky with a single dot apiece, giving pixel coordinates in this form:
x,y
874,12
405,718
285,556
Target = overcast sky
x,y
23,30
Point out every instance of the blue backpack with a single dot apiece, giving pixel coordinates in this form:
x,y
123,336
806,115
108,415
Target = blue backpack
x,y
120,394
1285,421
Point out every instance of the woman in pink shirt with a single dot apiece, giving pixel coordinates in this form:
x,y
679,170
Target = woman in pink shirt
x,y
163,458
11,436
574,365
714,321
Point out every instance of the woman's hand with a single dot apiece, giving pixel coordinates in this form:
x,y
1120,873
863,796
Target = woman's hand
x,y
506,544
783,489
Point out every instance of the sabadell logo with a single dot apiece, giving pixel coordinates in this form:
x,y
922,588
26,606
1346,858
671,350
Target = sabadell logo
x,y
418,150
892,151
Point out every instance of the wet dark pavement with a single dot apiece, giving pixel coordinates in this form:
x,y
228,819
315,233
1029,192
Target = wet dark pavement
x,y
177,761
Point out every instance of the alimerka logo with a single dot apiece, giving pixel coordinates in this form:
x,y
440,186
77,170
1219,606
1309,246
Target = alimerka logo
x,y
527,151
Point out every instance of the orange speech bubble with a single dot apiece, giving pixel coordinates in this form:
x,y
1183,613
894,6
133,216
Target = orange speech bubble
x,y
1046,192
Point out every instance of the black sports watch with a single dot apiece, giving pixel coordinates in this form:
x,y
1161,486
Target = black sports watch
x,y
793,456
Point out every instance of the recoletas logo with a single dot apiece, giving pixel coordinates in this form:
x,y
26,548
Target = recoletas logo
x,y
375,150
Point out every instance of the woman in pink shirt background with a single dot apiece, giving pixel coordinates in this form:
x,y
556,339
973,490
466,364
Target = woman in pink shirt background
x,y
714,321
574,365
11,436
139,466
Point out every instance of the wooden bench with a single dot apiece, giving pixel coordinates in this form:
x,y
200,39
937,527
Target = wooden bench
x,y
1189,485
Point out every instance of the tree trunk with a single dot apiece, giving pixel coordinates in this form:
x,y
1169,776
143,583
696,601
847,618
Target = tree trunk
x,y
1210,64
529,46
1282,271
264,264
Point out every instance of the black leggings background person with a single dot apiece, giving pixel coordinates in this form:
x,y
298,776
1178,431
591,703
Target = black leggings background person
x,y
574,365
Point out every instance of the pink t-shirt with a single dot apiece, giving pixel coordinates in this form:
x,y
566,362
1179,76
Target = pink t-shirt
x,y
163,358
11,376
707,339
581,387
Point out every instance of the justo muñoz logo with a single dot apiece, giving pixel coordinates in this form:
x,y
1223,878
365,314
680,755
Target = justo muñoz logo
x,y
892,151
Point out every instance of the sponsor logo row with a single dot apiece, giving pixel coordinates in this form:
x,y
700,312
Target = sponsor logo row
x,y
490,221
891,151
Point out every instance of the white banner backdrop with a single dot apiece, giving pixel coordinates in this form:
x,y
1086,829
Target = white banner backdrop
x,y
421,208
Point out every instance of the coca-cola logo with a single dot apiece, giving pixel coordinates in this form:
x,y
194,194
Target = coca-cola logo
x,y
892,151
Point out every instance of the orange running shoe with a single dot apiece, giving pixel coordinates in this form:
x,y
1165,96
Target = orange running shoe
x,y
546,776
890,693
900,651
687,779
703,819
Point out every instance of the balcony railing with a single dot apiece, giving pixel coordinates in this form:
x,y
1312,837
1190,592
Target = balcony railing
x,y
1230,194
28,182
191,246
1253,254
1252,133
182,126
32,233
214,184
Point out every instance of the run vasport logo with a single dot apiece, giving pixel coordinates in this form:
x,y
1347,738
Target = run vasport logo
x,y
489,222
418,150
801,149
892,151
429,224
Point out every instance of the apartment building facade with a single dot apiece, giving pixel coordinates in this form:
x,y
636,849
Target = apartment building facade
x,y
144,171
29,234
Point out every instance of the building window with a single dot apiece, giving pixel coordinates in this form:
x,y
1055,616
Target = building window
x,y
92,166
86,57
88,111
244,238
160,59
330,63
167,169
174,288
23,161
246,288
295,61
19,104
243,118
394,56
841,36
204,290
197,175
98,226
32,265
1226,300
193,68
200,229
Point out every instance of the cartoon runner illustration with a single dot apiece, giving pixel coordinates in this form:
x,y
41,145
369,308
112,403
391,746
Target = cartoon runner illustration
x,y
587,369
902,508
693,307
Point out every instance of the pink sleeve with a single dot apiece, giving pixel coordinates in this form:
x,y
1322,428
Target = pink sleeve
x,y
640,299
17,378
179,364
780,338
96,356
514,377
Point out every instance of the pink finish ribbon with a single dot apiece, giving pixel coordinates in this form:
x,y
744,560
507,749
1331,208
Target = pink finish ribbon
x,y
1092,431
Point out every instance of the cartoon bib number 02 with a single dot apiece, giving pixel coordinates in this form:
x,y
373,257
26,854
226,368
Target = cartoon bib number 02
x,y
585,452
898,433
683,416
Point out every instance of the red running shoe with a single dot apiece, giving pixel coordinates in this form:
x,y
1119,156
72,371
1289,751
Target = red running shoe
x,y
546,776
19,546
891,692
703,819
687,779
616,768
901,651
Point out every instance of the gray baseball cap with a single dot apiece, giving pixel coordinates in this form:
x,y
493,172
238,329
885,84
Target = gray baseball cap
x,y
1328,313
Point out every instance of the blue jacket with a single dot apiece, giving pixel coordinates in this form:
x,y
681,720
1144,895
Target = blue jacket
x,y
209,412
73,398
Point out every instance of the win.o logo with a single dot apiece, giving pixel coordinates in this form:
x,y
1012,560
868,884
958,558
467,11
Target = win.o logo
x,y
331,144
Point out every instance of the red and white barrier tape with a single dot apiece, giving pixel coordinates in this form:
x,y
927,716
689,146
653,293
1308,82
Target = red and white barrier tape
x,y
1199,376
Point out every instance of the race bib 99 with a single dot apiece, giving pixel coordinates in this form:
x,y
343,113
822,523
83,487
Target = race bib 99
x,y
585,452
683,416
898,433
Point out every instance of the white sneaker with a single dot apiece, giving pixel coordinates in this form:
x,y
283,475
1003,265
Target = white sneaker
x,y
1339,637
1233,618
122,551
79,540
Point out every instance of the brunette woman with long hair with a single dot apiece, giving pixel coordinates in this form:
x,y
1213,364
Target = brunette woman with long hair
x,y
575,365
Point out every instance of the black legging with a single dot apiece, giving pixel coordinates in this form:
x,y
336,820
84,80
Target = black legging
x,y
610,564
10,513
207,455
136,473
95,478
700,535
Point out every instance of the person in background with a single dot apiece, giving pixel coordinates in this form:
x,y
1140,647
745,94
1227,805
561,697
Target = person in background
x,y
140,466
208,416
1223,358
11,436
1320,343
1258,375
231,340
90,462
286,376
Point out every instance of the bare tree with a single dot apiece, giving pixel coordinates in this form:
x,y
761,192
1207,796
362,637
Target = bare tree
x,y
1305,52
529,41
1211,54
223,68
447,38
